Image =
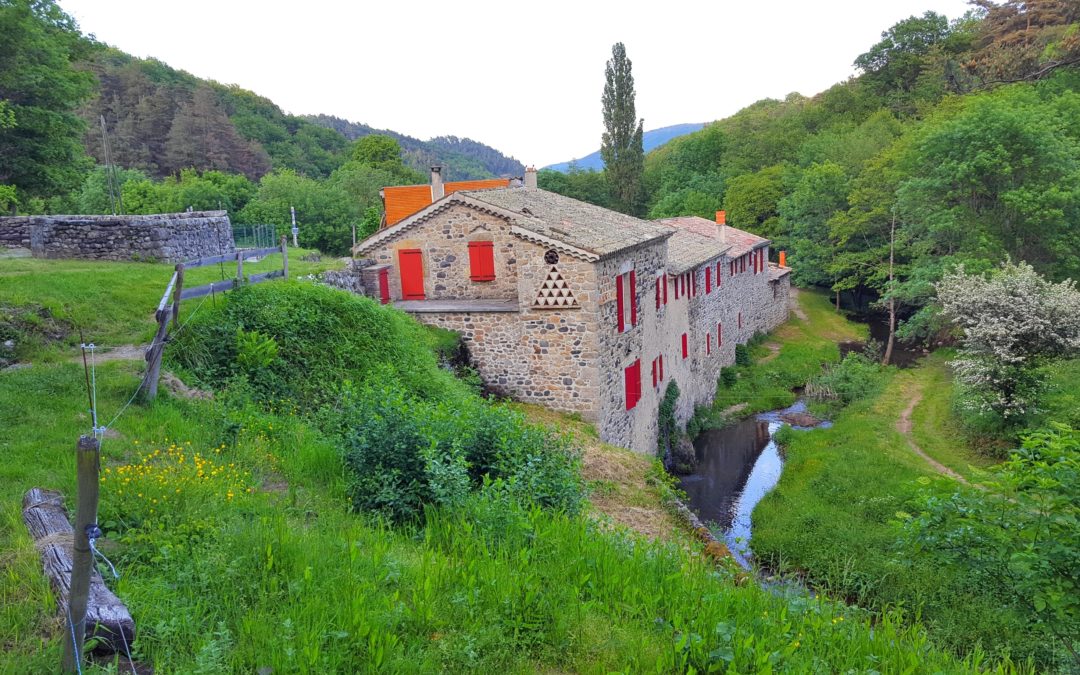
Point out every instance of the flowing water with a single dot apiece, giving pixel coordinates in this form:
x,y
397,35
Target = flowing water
x,y
737,466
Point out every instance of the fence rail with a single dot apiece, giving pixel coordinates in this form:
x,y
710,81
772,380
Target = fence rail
x,y
175,290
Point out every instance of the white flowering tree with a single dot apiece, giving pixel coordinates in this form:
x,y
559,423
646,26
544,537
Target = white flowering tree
x,y
1014,321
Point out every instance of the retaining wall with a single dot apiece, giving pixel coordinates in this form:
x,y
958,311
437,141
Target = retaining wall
x,y
167,237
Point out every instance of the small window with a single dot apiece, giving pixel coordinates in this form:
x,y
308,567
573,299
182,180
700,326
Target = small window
x,y
740,320
658,293
632,375
654,371
685,347
708,280
708,344
661,357
719,335
482,260
664,281
551,257
619,302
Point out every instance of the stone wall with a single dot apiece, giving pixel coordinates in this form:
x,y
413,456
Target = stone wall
x,y
169,237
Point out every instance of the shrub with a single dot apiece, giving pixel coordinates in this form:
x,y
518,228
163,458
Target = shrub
x,y
742,355
853,378
404,452
323,336
728,376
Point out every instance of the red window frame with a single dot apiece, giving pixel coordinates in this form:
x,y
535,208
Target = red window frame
x,y
661,358
632,381
482,261
685,347
633,298
708,280
654,380
664,279
719,334
619,302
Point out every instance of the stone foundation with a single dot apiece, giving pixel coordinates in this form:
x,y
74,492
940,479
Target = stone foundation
x,y
168,237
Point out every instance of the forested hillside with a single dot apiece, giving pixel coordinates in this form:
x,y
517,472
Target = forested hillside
x,y
964,133
650,140
176,141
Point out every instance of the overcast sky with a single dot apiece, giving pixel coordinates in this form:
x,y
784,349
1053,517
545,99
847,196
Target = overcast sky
x,y
523,77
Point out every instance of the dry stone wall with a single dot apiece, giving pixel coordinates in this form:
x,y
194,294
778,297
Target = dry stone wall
x,y
168,237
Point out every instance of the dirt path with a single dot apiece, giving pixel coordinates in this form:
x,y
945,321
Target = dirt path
x,y
793,304
903,425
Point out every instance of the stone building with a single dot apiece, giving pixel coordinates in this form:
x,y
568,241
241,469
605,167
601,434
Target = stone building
x,y
576,307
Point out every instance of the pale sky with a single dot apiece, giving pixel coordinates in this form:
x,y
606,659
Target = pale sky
x,y
523,77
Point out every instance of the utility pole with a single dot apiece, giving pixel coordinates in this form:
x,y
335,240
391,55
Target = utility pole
x,y
295,229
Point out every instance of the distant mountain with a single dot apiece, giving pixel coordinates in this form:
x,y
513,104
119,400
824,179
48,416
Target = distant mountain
x,y
463,158
651,139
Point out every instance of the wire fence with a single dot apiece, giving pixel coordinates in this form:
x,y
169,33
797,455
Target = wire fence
x,y
254,236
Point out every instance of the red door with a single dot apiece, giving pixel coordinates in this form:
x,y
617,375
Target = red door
x,y
384,286
412,274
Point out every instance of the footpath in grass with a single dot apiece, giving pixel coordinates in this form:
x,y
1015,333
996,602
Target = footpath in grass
x,y
835,516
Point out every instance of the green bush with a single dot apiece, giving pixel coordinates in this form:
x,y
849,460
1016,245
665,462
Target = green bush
x,y
668,425
742,355
728,376
323,336
854,378
404,452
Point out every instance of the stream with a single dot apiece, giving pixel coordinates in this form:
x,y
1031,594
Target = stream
x,y
737,466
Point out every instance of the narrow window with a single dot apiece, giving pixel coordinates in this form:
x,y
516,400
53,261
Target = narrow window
x,y
633,298
632,374
740,320
661,367
654,380
482,260
665,282
708,280
619,301
658,293
719,335
685,347
719,279
708,344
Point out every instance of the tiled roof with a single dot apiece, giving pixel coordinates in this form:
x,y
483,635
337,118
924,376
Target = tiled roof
x,y
697,240
584,226
401,201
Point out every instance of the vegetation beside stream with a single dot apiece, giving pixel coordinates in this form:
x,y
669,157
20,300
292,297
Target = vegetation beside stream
x,y
233,523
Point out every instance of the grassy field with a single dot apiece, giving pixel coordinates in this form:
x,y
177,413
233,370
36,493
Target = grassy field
x,y
113,303
238,549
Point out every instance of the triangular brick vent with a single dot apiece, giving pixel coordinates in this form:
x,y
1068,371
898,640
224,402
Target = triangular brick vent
x,y
554,292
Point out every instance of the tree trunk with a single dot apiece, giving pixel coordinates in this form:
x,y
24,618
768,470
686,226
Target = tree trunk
x,y
892,296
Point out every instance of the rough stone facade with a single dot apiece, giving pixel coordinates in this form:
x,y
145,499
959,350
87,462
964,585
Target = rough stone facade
x,y
574,358
169,237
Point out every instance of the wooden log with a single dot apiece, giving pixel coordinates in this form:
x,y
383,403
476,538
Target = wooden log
x,y
153,358
106,616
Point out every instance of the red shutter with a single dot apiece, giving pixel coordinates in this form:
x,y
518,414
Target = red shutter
x,y
685,347
693,283
657,292
411,266
654,373
665,282
661,367
708,344
633,298
708,280
384,286
619,301
719,279
632,375
719,335
481,261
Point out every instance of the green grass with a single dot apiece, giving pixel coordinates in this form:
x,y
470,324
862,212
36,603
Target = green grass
x,y
805,345
113,302
220,579
834,517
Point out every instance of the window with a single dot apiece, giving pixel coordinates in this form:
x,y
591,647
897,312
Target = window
x,y
657,293
740,320
708,280
632,375
719,281
664,281
481,261
676,288
630,280
685,348
661,357
654,371
719,334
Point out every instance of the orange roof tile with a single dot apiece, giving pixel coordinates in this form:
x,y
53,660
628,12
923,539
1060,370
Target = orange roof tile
x,y
401,201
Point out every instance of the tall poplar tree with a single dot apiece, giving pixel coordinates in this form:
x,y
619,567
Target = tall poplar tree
x,y
621,148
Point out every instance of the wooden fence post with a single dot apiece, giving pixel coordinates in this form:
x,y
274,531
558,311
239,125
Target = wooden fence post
x,y
176,294
285,256
87,463
239,264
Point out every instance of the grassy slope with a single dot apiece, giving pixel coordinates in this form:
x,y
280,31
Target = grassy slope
x,y
286,577
114,302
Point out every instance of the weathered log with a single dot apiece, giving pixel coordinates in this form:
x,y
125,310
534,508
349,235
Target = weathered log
x,y
108,621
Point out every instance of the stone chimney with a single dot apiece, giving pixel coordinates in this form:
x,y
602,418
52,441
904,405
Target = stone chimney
x,y
530,177
437,189
721,221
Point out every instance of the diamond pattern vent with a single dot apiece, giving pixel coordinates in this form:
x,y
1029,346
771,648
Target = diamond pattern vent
x,y
554,292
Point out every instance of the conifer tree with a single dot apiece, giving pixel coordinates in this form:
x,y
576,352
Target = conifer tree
x,y
621,147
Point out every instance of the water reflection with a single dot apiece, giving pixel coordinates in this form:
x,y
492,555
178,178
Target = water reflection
x,y
737,466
